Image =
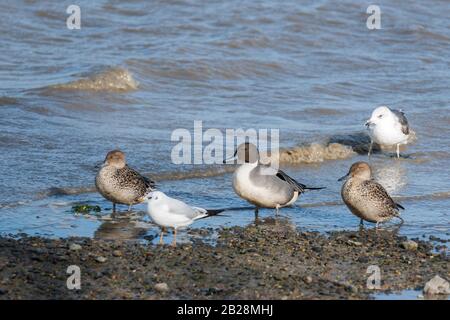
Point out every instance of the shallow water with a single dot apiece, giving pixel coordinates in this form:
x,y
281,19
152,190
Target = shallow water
x,y
408,295
138,70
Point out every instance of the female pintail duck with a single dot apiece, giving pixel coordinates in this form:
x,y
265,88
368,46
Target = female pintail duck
x,y
119,183
366,198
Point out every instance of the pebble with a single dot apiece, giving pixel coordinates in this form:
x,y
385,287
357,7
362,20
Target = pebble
x,y
410,245
350,287
355,243
100,259
3,262
117,253
161,287
433,238
75,247
37,258
437,285
363,259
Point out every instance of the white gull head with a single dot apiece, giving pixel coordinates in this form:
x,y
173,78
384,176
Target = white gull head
x,y
381,115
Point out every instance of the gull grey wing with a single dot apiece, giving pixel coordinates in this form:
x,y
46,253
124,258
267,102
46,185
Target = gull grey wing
x,y
403,121
179,207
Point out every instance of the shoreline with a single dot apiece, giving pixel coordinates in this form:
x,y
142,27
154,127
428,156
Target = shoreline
x,y
271,260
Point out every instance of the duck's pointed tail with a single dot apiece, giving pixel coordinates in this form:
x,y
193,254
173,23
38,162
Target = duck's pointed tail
x,y
313,188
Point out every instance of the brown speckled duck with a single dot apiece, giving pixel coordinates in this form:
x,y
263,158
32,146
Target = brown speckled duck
x,y
366,198
119,183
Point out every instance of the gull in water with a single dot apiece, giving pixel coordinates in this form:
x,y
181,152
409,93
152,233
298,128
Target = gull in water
x,y
366,198
119,183
262,185
388,127
168,212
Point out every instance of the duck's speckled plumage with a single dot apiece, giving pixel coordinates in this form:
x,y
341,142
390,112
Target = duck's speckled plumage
x,y
366,198
122,184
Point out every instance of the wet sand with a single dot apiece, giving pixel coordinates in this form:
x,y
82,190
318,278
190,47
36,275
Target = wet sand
x,y
271,260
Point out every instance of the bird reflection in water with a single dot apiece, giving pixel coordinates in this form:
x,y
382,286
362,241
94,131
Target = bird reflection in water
x,y
391,175
120,230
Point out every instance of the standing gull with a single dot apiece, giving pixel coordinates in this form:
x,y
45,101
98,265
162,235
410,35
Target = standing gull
x,y
262,185
366,198
388,127
119,183
168,212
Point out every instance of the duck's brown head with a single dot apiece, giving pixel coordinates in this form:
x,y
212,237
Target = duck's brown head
x,y
115,158
359,170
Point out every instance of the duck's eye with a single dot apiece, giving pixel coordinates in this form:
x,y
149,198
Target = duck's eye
x,y
380,116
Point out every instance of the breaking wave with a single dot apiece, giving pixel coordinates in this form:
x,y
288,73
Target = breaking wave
x,y
315,153
110,80
4,101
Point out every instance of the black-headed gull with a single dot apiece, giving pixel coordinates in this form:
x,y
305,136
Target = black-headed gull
x,y
168,212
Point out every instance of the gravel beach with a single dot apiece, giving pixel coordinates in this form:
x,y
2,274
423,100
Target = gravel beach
x,y
269,260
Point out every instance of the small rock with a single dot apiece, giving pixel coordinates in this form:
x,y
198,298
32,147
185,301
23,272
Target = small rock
x,y
40,250
161,287
117,253
308,279
355,243
433,238
3,262
363,259
100,259
350,288
37,258
437,285
75,247
410,245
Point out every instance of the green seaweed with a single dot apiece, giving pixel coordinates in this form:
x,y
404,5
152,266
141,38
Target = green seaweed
x,y
85,208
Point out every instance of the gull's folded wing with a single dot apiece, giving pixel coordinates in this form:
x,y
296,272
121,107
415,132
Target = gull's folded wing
x,y
403,121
